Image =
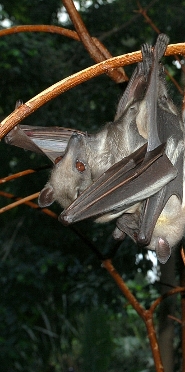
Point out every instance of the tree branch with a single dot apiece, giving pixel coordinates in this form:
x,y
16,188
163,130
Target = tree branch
x,y
71,81
146,315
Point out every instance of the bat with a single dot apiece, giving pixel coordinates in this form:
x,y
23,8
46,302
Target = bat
x,y
88,156
158,221
131,170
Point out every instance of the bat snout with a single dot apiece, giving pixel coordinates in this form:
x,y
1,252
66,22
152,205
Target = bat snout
x,y
143,240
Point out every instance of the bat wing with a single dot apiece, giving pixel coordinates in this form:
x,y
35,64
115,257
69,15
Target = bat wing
x,y
49,141
123,185
140,225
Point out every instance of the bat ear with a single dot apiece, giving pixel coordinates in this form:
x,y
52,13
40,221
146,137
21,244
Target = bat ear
x,y
46,196
163,250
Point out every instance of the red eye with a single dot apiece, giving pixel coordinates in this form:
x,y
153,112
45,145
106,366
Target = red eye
x,y
80,166
58,159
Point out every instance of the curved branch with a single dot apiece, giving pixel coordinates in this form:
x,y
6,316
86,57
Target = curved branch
x,y
40,28
62,86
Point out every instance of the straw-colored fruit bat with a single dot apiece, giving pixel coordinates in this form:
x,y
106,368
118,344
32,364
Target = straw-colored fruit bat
x,y
131,170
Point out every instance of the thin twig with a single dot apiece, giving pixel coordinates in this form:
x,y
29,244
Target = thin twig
x,y
18,201
93,49
174,81
174,318
23,173
143,11
127,24
165,295
29,203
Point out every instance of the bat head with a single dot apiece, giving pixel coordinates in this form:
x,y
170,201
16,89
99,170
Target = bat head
x,y
70,176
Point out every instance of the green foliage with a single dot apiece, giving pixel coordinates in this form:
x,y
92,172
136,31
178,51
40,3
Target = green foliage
x,y
36,12
97,342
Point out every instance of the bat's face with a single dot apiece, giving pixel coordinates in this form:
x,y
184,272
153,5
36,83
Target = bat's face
x,y
70,176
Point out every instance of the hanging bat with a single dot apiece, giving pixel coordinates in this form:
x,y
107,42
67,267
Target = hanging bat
x,y
142,167
158,221
87,157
